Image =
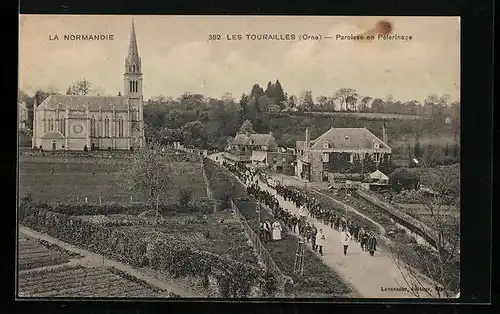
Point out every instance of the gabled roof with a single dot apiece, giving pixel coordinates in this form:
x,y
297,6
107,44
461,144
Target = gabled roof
x,y
94,103
253,139
348,138
53,135
378,175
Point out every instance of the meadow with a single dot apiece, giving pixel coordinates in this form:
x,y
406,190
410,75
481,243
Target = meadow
x,y
73,179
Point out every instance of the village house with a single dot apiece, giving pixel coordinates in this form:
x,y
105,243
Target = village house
x,y
340,151
250,149
22,116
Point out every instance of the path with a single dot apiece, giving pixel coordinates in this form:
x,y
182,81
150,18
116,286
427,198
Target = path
x,y
93,259
372,276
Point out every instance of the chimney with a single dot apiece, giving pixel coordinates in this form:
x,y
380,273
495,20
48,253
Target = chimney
x,y
308,138
384,133
307,145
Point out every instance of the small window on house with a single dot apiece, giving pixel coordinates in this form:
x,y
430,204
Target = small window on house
x,y
326,157
376,157
346,137
325,145
376,145
351,158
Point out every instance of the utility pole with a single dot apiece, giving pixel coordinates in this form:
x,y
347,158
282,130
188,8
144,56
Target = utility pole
x,y
298,267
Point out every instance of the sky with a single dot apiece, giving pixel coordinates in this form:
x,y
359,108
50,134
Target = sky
x,y
177,55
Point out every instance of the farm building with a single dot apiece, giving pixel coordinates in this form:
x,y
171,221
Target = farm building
x,y
72,122
339,151
250,148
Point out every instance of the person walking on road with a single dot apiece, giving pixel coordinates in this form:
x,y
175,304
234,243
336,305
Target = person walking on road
x,y
345,237
321,241
372,244
314,233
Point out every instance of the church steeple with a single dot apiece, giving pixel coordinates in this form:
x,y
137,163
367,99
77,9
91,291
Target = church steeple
x,y
132,48
133,68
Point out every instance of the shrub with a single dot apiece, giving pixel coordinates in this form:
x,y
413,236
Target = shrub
x,y
185,197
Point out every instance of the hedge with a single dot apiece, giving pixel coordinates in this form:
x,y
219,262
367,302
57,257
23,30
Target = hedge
x,y
234,279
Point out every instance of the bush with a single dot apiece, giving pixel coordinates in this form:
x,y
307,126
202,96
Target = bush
x,y
185,197
402,179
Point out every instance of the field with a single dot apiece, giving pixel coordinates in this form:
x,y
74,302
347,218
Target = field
x,y
363,115
80,281
32,254
93,178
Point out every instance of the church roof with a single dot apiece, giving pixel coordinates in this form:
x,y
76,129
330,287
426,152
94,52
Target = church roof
x,y
94,103
52,135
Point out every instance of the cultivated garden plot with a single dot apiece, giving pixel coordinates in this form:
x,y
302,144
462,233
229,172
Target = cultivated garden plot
x,y
76,180
32,254
85,282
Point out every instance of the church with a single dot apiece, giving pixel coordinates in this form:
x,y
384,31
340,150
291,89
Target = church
x,y
67,122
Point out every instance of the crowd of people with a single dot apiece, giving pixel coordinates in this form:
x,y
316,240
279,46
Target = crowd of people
x,y
309,206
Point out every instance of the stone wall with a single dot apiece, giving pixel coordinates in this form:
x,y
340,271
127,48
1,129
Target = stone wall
x,y
316,167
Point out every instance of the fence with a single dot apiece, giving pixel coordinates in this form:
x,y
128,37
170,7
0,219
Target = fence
x,y
207,183
407,221
262,252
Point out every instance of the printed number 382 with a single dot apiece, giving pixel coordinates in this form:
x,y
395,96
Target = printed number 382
x,y
214,37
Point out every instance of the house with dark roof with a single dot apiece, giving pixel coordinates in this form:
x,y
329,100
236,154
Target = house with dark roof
x,y
250,148
73,122
340,151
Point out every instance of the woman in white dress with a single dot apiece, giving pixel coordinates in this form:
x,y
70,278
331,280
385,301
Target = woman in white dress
x,y
276,230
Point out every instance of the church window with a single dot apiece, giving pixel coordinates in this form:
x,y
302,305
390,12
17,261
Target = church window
x,y
120,127
106,127
133,68
130,86
92,127
51,124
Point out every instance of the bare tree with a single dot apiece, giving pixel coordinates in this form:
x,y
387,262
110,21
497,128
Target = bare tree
x,y
440,219
153,170
81,88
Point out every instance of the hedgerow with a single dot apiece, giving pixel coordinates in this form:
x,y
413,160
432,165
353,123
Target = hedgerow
x,y
234,279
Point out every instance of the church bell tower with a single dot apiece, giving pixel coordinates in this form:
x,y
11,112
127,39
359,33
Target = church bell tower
x,y
133,92
133,69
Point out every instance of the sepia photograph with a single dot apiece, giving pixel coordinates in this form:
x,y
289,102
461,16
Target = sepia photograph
x,y
287,157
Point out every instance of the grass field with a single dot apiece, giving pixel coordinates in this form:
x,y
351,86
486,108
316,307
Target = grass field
x,y
51,181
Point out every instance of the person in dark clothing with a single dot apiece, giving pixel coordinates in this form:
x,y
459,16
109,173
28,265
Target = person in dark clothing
x,y
261,233
314,232
372,244
364,241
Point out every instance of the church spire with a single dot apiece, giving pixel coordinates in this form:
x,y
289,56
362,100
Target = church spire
x,y
132,48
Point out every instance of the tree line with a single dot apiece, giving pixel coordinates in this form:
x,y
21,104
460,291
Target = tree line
x,y
210,122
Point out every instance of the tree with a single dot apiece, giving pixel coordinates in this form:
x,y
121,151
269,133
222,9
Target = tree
x,y
345,97
194,133
279,94
246,127
378,105
363,106
81,88
153,169
440,262
306,100
269,90
257,91
417,151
